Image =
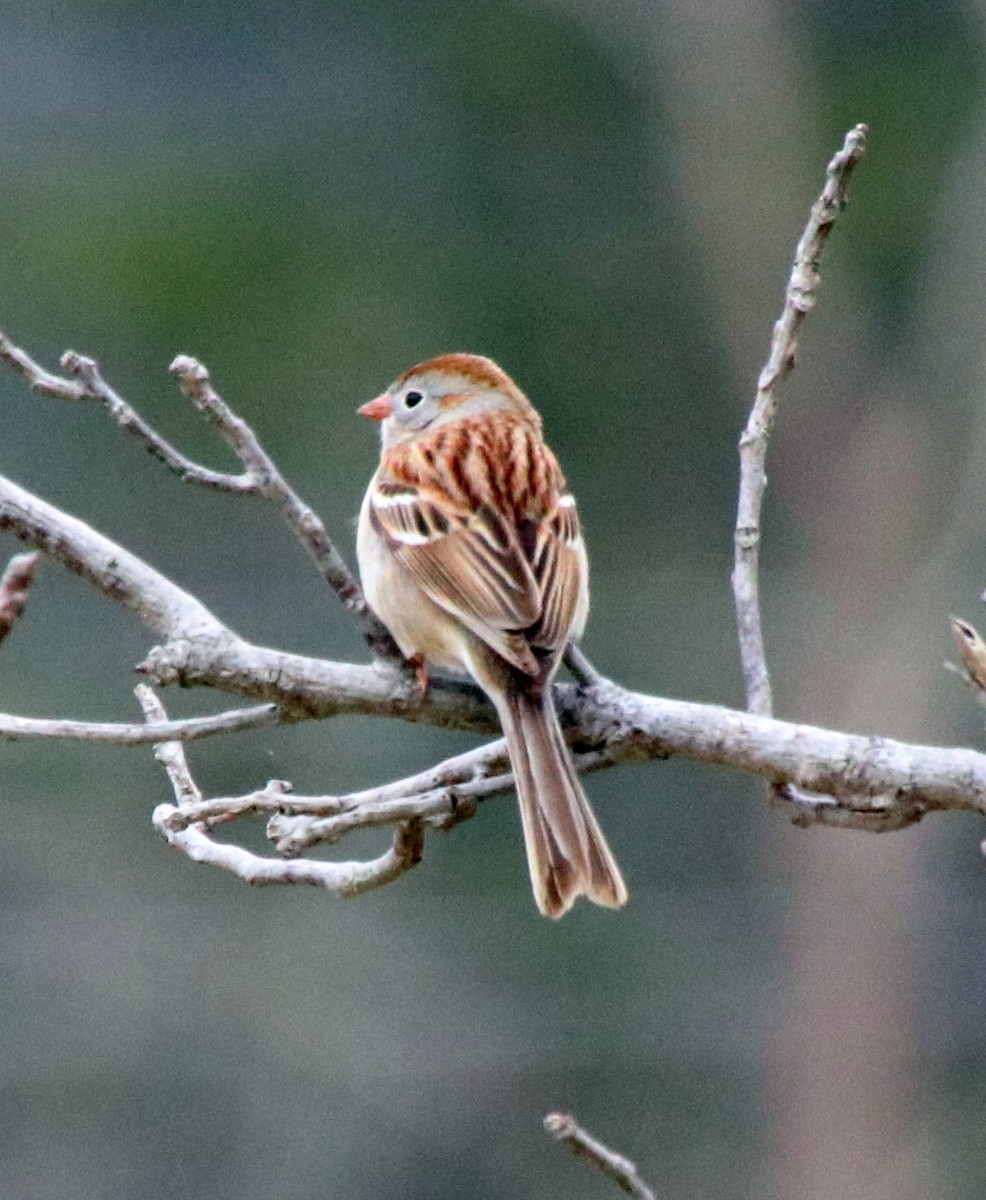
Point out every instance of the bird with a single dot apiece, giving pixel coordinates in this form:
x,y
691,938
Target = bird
x,y
470,551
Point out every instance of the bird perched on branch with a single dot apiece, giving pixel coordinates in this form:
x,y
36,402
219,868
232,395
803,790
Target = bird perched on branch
x,y
471,553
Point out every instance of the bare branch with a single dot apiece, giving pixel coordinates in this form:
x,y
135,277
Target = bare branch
x,y
171,755
888,786
90,386
442,808
37,377
862,776
799,299
866,775
199,649
272,486
95,387
565,1129
346,878
442,797
163,606
279,797
260,476
25,729
15,583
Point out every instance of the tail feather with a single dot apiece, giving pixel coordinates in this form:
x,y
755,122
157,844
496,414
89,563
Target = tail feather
x,y
567,854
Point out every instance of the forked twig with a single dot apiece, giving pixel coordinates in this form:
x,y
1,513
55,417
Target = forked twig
x,y
88,385
268,482
441,796
344,878
260,475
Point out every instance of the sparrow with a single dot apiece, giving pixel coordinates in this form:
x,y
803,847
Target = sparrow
x,y
471,553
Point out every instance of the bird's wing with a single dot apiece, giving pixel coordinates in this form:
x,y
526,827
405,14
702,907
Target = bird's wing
x,y
468,562
479,516
559,569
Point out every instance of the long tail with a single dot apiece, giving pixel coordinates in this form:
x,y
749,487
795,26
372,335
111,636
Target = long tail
x,y
567,853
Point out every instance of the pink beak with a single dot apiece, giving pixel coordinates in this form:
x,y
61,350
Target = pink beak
x,y
377,410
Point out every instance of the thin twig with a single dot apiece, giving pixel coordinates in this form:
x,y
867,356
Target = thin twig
x,y
441,808
90,386
38,379
95,387
442,797
15,583
799,299
171,755
566,1130
279,797
345,878
260,476
269,483
236,720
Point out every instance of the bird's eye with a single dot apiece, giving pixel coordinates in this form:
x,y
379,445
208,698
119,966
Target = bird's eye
x,y
413,399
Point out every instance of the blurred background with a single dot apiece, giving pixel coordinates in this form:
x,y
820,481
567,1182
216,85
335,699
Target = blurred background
x,y
604,196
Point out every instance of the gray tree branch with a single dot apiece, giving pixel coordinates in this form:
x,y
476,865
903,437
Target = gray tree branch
x,y
817,776
193,839
870,783
121,733
799,299
260,475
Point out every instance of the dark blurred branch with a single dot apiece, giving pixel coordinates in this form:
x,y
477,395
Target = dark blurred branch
x,y
799,299
581,668
15,583
346,879
565,1129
